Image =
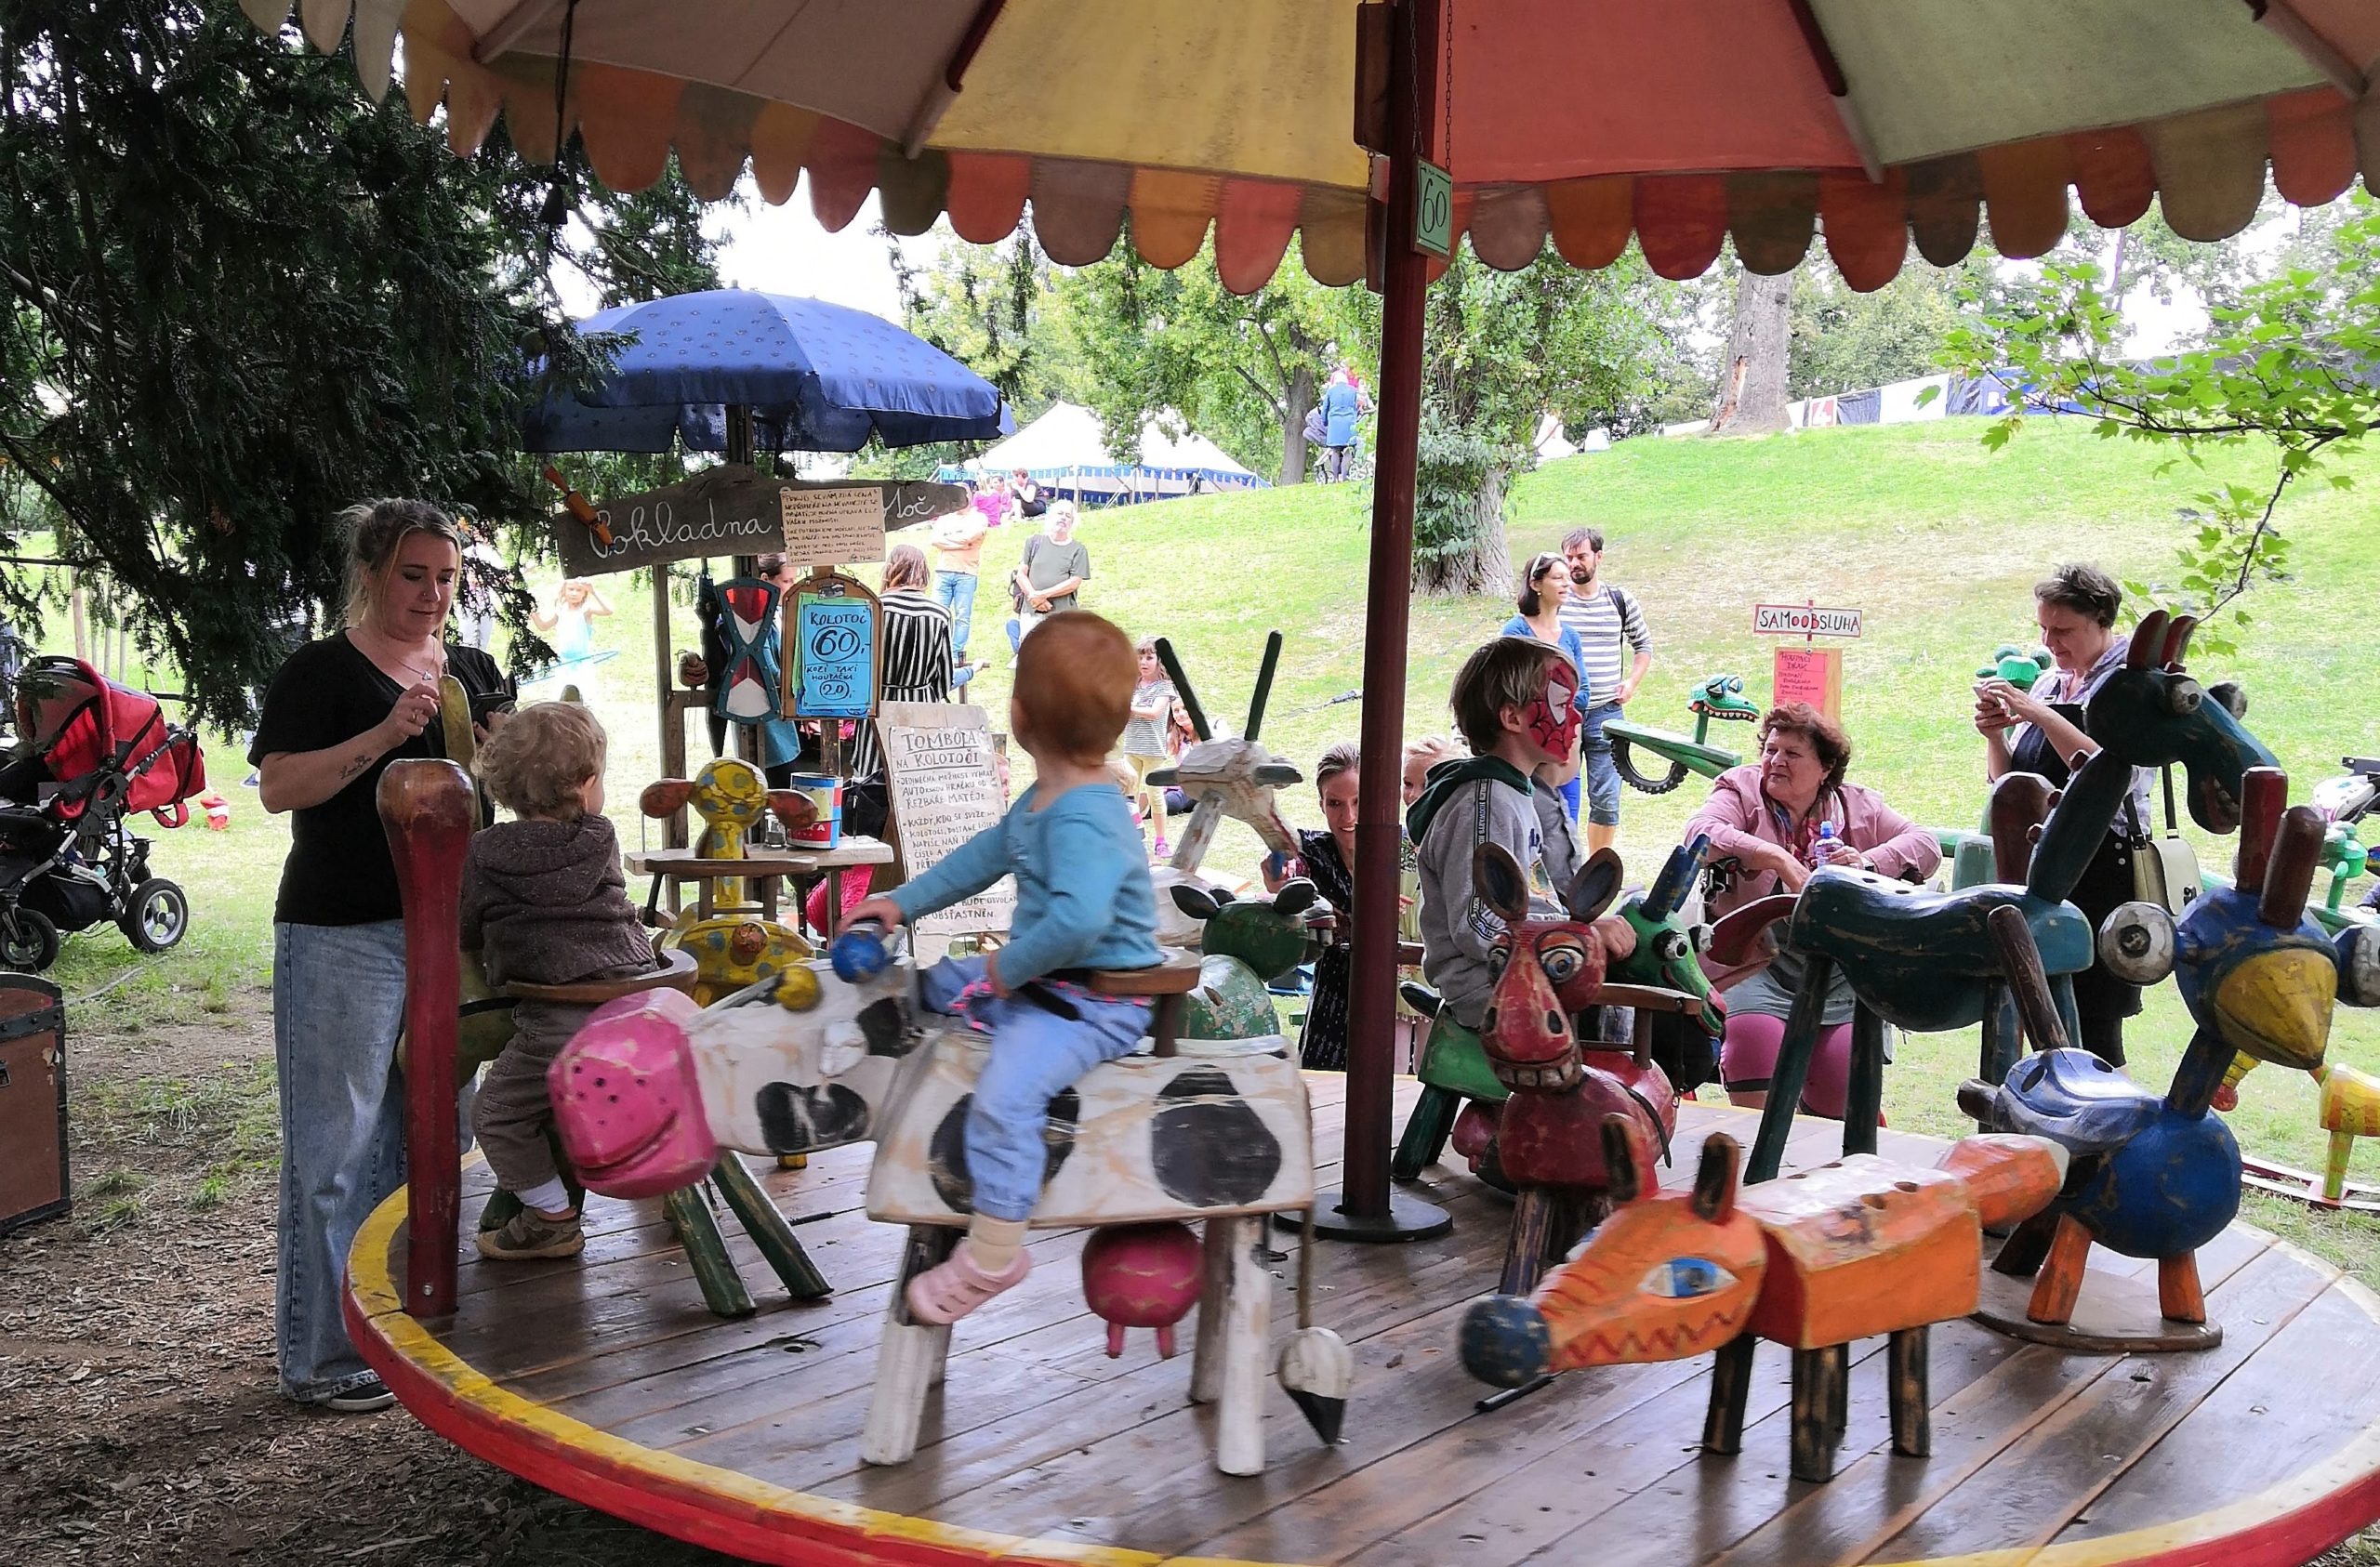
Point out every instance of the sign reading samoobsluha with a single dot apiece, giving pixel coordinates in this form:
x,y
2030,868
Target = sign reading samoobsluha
x,y
725,511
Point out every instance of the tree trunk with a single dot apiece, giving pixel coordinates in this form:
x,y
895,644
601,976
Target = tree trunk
x,y
1484,565
1752,375
1294,408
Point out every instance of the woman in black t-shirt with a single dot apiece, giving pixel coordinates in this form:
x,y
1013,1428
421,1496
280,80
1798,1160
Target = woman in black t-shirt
x,y
335,714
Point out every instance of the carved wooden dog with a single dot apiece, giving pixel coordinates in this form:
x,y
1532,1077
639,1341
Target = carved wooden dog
x,y
1814,1261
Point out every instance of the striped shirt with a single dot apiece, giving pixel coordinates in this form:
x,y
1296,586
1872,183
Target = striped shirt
x,y
1603,622
916,665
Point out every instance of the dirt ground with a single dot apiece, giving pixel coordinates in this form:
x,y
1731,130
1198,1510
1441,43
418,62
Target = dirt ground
x,y
139,1422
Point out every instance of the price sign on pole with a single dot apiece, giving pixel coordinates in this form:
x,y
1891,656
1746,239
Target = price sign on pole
x,y
1432,208
1809,673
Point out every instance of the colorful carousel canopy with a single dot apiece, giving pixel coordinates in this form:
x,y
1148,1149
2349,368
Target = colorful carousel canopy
x,y
1868,122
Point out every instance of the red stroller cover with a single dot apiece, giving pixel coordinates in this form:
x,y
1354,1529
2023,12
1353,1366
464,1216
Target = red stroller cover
x,y
86,725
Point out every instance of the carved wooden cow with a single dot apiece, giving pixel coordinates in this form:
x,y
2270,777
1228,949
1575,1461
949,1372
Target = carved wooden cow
x,y
652,1088
1219,1132
1812,1261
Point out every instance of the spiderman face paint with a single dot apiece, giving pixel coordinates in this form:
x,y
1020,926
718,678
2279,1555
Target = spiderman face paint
x,y
1553,718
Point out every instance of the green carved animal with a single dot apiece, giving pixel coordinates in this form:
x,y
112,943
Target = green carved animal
x,y
1248,944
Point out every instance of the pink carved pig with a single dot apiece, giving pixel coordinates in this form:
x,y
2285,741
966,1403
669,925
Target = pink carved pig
x,y
627,1102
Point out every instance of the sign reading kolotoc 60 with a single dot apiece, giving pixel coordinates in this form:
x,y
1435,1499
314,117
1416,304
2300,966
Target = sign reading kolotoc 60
x,y
1802,620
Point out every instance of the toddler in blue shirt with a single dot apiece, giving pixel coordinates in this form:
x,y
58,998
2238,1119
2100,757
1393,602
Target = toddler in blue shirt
x,y
1083,902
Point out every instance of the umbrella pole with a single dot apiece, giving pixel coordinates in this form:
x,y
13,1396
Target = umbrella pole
x,y
1367,1208
739,451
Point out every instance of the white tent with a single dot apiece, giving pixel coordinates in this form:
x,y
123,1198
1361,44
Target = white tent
x,y
1065,450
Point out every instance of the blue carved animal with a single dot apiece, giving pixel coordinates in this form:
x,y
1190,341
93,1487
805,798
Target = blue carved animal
x,y
2153,714
2159,1175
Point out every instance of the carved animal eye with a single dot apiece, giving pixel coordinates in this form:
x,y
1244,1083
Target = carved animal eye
x,y
1671,946
1561,961
2136,943
2183,696
1683,1278
1498,956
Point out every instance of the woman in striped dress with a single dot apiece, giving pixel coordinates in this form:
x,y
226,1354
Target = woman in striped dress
x,y
919,664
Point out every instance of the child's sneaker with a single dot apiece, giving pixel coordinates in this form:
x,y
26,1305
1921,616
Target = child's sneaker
x,y
1163,849
529,1233
954,1286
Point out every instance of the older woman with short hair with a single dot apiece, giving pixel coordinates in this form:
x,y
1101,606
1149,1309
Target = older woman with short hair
x,y
1766,821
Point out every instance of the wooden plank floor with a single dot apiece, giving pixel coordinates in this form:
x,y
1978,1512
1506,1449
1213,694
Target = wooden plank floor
x,y
2264,1450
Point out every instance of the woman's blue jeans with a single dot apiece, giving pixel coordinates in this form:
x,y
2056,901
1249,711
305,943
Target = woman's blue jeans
x,y
339,999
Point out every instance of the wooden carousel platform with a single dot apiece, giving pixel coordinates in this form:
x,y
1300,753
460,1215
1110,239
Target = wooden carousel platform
x,y
605,1379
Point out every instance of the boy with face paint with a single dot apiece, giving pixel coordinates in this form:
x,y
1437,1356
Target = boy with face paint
x,y
1516,701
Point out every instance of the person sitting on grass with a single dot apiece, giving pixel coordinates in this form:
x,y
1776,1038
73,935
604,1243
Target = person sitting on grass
x,y
1084,901
544,898
1516,701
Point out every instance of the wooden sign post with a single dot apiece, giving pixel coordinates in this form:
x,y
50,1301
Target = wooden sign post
x,y
944,788
731,509
1808,673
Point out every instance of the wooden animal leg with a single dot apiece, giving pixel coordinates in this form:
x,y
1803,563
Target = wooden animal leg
x,y
2335,1166
1910,1398
2179,1300
1816,1374
1722,1427
2022,1253
1425,1133
1525,1248
2061,1283
1206,1355
768,1229
2003,1038
722,1287
1839,1414
1863,1099
907,1357
1791,1073
1575,1213
1238,1296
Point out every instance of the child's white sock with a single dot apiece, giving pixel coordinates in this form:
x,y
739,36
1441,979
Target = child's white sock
x,y
547,1196
992,1244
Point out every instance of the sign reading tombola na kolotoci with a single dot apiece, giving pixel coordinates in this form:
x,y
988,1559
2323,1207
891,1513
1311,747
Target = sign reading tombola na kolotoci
x,y
726,510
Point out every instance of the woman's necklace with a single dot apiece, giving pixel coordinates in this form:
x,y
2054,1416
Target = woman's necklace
x,y
406,658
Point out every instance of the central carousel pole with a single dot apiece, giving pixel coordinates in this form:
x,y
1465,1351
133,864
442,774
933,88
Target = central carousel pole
x,y
1366,1207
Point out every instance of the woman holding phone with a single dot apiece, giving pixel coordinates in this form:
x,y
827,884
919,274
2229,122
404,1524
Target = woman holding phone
x,y
338,713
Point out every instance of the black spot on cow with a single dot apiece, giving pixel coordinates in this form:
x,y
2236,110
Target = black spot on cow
x,y
1208,1147
795,1119
885,1028
946,1150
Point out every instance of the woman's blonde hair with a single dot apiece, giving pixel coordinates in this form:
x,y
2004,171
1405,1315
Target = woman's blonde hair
x,y
539,761
375,531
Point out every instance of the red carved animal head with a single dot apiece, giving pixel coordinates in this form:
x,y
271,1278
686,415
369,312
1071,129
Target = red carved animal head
x,y
1553,968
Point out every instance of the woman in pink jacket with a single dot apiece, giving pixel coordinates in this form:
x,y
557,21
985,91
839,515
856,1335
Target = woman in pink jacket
x,y
1765,822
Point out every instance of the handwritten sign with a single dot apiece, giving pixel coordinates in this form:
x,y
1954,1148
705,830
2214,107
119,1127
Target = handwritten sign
x,y
832,526
730,509
830,628
1811,674
945,789
1802,620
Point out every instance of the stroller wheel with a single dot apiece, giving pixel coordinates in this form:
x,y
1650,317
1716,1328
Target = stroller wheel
x,y
28,940
157,915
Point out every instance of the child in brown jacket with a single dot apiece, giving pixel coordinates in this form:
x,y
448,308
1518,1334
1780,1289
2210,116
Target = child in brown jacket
x,y
545,898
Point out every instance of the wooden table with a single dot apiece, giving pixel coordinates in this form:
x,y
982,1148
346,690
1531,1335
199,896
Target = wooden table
x,y
764,869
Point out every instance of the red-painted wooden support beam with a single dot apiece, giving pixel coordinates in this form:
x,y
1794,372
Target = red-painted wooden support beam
x,y
425,807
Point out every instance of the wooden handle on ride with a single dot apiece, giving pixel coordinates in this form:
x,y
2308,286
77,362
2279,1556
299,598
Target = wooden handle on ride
x,y
2020,802
1165,656
2020,961
2263,795
425,807
2289,873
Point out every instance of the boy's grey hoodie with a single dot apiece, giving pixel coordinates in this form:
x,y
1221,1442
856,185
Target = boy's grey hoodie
x,y
1466,803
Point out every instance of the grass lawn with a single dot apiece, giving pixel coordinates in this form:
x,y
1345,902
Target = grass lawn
x,y
1936,540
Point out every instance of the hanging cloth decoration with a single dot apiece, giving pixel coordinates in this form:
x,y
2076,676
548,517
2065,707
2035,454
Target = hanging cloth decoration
x,y
747,686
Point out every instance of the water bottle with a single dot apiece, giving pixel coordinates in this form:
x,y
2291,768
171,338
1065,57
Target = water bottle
x,y
1822,852
859,952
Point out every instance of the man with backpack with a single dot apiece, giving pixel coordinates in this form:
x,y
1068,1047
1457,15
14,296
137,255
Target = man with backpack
x,y
1605,616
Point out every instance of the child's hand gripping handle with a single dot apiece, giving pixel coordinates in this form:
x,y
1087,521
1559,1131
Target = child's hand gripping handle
x,y
860,954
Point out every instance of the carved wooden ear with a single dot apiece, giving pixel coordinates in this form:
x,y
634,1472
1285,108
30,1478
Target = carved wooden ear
x,y
1715,1179
2148,645
1667,894
2177,641
1497,877
2289,874
1196,901
793,807
1592,890
1275,775
1619,1161
1296,896
664,797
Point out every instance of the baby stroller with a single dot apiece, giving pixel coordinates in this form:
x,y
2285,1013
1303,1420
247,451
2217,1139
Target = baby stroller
x,y
91,752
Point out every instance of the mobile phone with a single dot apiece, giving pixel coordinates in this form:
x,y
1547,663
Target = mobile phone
x,y
487,702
